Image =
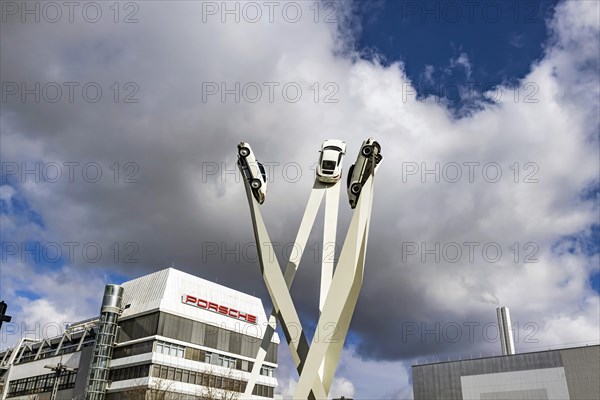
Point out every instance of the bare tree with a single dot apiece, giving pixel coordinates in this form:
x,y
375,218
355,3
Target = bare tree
x,y
159,389
162,390
221,387
215,386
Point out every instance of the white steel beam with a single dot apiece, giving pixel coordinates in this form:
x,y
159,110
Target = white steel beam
x,y
329,232
332,202
310,214
280,295
341,300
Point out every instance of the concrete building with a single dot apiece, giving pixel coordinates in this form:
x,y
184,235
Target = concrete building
x,y
572,373
176,333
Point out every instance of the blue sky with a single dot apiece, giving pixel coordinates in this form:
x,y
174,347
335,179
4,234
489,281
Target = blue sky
x,y
500,39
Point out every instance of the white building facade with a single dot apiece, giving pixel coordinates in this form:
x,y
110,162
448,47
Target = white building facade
x,y
178,335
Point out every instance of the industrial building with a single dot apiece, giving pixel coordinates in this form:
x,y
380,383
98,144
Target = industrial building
x,y
167,335
564,374
572,373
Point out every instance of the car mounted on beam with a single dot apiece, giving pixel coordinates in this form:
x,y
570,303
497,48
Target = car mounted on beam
x,y
368,158
329,168
253,171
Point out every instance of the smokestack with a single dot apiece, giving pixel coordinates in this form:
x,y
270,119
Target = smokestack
x,y
506,336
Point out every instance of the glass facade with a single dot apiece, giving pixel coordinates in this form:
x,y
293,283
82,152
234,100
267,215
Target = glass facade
x,y
138,327
131,372
133,349
40,384
189,353
195,332
169,373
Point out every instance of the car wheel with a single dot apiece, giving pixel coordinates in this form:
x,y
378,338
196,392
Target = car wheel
x,y
367,151
255,184
244,151
355,188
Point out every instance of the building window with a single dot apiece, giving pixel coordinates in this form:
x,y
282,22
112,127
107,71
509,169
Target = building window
x,y
227,362
138,327
198,378
40,384
133,349
170,349
207,357
264,391
171,373
267,371
198,333
194,354
133,372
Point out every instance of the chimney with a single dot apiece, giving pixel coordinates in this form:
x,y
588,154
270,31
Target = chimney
x,y
506,336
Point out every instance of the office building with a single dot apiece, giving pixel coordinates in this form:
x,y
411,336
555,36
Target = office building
x,y
165,333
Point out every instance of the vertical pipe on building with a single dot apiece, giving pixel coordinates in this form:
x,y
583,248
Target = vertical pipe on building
x,y
506,335
105,341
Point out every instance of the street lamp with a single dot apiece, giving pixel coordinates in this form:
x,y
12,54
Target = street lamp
x,y
3,316
58,371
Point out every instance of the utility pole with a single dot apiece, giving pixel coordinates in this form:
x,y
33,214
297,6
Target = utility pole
x,y
58,371
3,316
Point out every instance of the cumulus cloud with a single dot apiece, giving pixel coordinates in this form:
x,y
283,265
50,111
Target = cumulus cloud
x,y
356,377
373,379
341,387
38,302
450,194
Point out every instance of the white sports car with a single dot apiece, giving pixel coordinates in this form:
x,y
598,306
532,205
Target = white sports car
x,y
329,169
368,157
253,171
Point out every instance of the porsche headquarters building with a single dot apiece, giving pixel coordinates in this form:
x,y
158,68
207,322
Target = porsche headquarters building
x,y
164,332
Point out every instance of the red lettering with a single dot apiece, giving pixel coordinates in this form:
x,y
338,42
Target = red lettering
x,y
189,299
204,303
208,305
247,317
